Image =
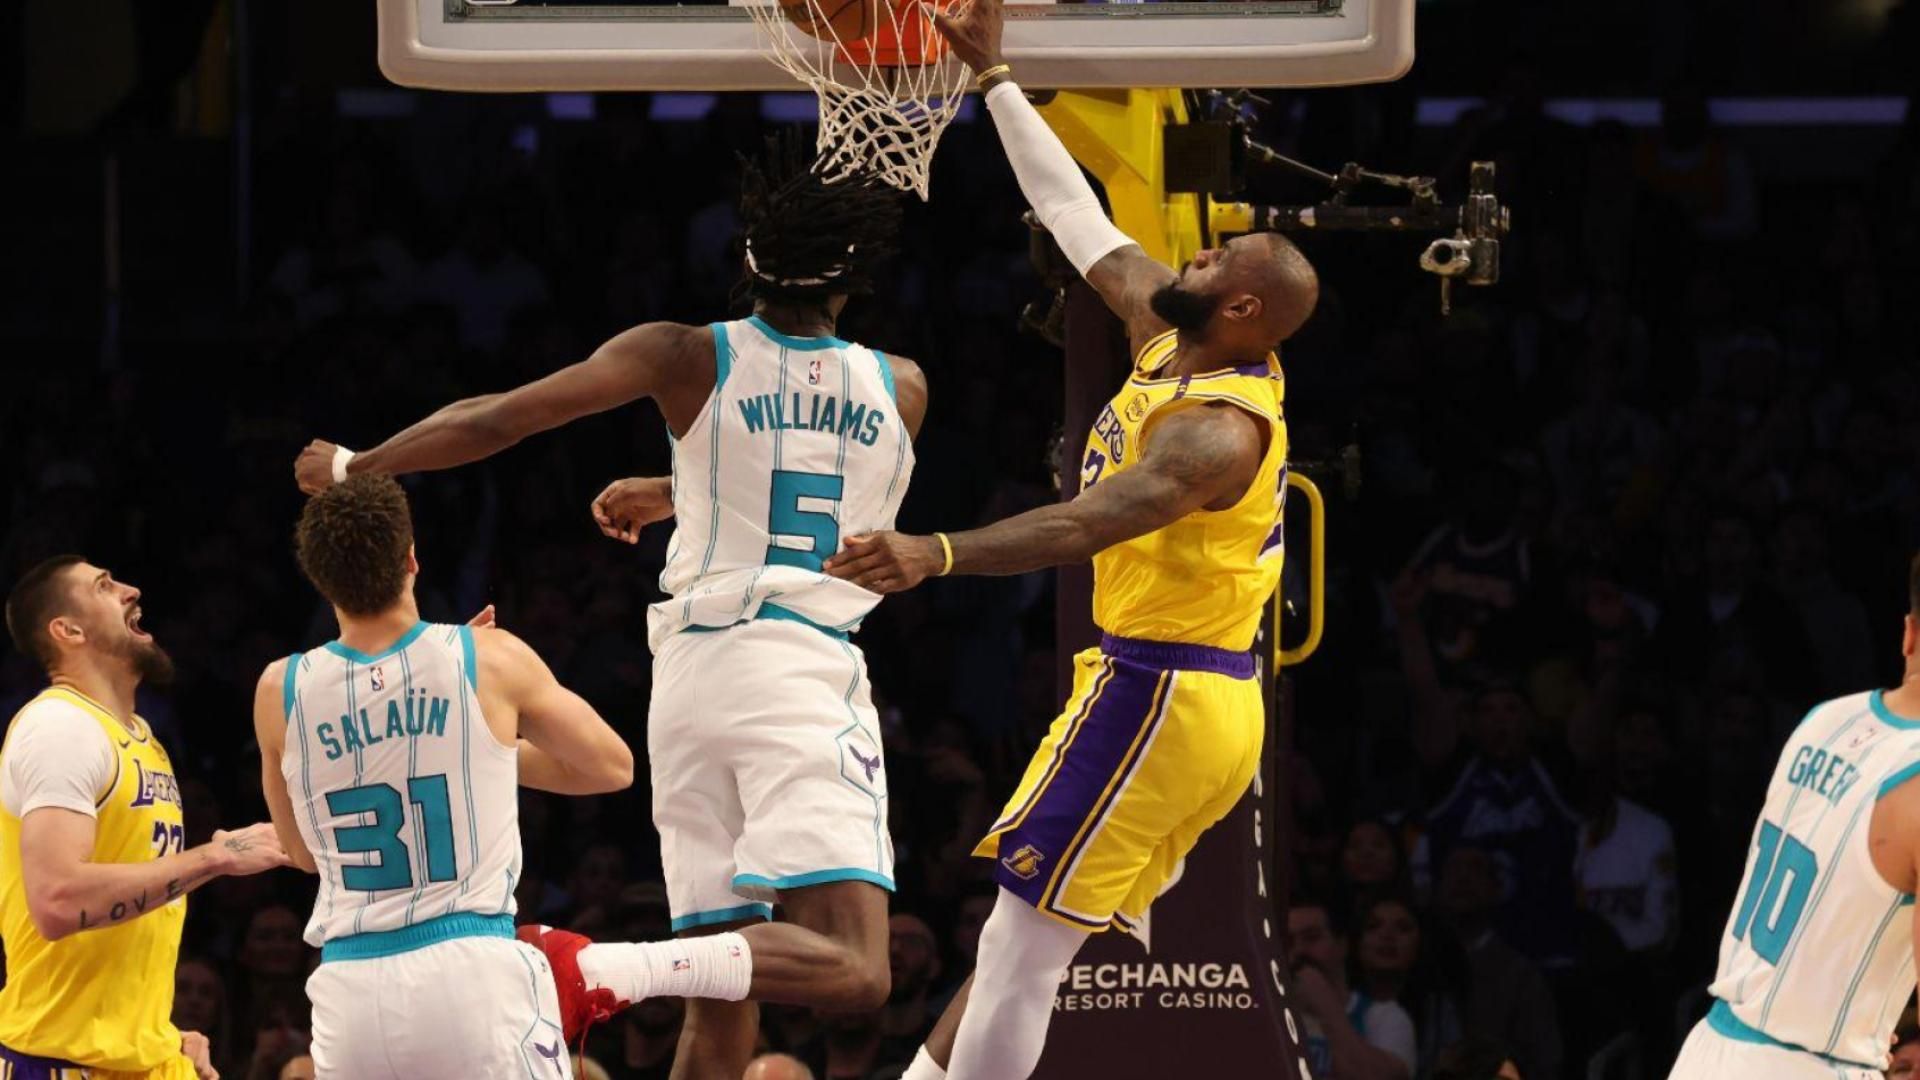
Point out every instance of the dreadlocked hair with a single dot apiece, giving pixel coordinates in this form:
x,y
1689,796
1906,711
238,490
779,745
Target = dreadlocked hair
x,y
807,238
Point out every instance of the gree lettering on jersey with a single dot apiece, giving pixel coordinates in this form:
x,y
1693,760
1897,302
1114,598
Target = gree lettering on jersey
x,y
812,412
1827,775
407,718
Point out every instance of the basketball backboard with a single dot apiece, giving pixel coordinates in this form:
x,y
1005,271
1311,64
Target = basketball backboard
x,y
510,45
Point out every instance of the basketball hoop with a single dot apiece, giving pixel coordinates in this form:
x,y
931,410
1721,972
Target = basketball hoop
x,y
885,99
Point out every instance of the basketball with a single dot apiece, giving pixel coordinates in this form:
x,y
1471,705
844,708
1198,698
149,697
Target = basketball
x,y
842,20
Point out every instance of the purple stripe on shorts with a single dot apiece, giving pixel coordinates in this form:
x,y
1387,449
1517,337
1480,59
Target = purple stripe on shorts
x,y
1031,852
1179,657
28,1067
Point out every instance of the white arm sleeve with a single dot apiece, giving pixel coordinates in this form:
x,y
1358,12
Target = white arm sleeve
x,y
1052,182
57,756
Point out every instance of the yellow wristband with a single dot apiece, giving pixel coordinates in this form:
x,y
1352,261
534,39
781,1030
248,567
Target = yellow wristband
x,y
946,548
980,80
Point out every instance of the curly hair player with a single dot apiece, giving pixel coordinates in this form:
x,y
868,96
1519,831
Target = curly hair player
x,y
784,438
1179,509
390,760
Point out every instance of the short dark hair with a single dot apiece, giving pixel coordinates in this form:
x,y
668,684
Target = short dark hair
x,y
1339,916
809,237
352,543
34,600
1913,578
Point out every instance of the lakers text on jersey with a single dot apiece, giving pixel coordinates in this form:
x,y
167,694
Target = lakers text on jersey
x,y
99,998
1162,733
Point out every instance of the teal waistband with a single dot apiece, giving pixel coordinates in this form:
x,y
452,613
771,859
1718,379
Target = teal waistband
x,y
1721,1019
464,924
775,613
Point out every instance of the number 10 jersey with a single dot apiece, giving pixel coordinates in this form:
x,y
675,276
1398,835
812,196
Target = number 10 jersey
x,y
799,445
1818,951
406,799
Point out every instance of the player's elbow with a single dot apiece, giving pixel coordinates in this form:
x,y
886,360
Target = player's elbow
x,y
302,860
615,769
54,911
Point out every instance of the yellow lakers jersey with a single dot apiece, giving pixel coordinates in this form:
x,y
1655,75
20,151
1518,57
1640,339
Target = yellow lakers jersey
x,y
1204,579
100,997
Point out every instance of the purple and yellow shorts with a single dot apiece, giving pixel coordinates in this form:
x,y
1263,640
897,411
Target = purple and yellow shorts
x,y
1157,742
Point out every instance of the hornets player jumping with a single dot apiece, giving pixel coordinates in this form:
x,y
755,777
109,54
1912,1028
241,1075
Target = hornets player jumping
x,y
1818,956
94,869
784,437
1179,509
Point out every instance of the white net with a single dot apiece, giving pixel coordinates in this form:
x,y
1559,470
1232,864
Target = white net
x,y
884,100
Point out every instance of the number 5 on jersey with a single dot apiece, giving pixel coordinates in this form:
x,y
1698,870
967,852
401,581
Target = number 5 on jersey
x,y
803,519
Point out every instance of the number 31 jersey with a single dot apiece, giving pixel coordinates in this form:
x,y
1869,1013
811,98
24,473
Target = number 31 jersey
x,y
799,445
408,803
1818,952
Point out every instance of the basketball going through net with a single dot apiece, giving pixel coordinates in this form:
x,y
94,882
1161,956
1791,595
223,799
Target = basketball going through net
x,y
886,86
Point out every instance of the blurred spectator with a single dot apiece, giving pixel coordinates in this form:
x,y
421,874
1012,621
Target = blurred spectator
x,y
1508,1001
299,1068
1345,1034
1372,859
200,1004
1476,1059
1694,166
777,1067
1398,961
1626,871
484,281
914,957
1906,1048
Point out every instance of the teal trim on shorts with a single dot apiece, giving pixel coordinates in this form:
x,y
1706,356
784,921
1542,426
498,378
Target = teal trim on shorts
x,y
359,657
773,613
818,877
723,915
377,943
1721,1019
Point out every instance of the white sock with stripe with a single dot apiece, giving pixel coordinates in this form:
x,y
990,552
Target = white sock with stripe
x,y
718,966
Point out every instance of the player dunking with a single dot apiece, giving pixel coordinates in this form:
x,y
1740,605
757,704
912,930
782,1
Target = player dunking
x,y
390,760
93,863
1179,509
1818,957
764,747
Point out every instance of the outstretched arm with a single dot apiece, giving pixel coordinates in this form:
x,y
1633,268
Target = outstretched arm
x,y
565,747
1201,457
1114,264
652,360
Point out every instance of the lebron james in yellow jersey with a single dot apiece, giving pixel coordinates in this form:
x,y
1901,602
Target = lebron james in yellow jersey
x,y
94,869
1179,510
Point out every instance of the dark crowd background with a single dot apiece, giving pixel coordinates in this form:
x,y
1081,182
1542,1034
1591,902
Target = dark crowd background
x,y
1619,522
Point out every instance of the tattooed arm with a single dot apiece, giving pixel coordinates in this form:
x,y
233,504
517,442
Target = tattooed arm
x,y
68,893
1202,457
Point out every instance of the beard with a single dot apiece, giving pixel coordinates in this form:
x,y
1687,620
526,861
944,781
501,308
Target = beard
x,y
151,663
1183,309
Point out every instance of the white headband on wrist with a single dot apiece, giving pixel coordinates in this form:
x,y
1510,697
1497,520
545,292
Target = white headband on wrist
x,y
341,455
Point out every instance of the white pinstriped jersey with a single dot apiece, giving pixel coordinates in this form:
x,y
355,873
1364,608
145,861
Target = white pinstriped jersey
x,y
1818,952
408,803
799,445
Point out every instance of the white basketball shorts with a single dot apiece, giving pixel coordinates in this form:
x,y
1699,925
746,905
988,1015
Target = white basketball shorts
x,y
767,770
1710,1055
477,1008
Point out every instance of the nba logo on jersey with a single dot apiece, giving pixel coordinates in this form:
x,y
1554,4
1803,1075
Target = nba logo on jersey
x,y
813,372
379,679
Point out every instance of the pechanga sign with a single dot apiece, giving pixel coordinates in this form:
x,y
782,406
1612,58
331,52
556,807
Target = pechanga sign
x,y
1203,996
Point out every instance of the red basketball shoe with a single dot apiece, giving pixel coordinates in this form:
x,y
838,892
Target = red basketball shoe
x,y
580,1008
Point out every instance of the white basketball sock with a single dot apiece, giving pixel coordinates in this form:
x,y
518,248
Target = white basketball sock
x,y
1023,954
924,1068
718,966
